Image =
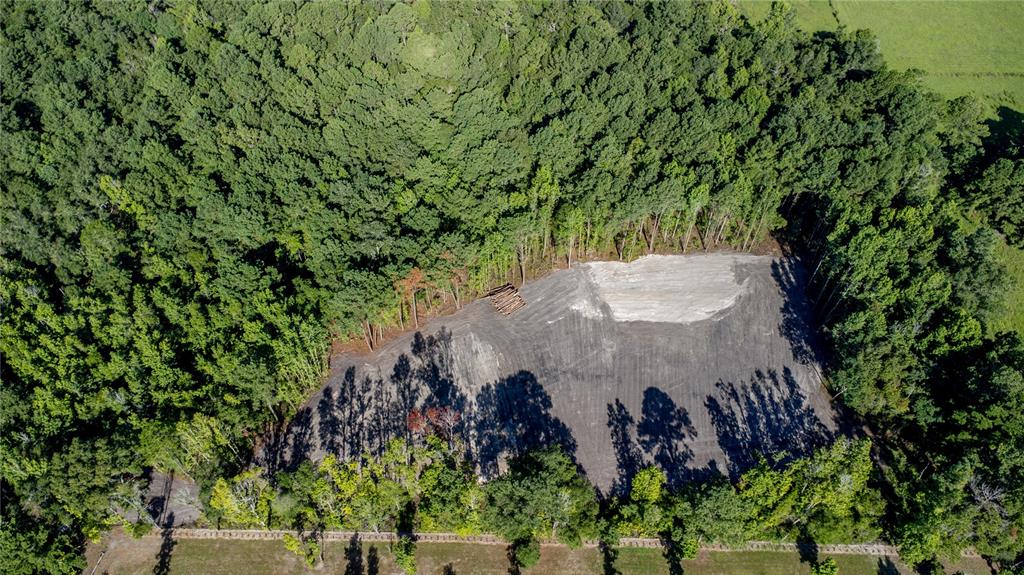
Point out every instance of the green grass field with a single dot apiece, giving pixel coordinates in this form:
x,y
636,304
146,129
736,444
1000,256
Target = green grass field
x,y
963,47
1011,316
126,556
270,557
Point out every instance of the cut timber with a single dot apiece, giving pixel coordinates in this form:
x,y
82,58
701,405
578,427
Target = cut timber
x,y
505,299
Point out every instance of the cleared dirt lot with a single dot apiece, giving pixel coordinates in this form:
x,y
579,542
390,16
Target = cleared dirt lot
x,y
696,364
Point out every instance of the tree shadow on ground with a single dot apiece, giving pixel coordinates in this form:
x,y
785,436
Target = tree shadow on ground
x,y
392,404
435,374
355,399
513,416
797,324
672,556
372,561
768,416
360,413
513,562
807,548
157,506
662,436
628,457
664,431
1006,133
375,410
886,566
434,356
330,424
289,447
354,556
167,543
609,554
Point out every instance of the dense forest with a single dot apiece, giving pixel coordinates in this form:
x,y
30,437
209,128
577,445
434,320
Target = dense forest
x,y
198,196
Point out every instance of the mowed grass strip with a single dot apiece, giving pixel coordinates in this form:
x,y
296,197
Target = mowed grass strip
x,y
125,556
943,37
963,46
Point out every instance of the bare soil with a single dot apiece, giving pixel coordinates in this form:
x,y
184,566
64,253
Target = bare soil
x,y
698,364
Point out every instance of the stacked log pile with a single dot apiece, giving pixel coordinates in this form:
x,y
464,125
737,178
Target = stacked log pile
x,y
506,299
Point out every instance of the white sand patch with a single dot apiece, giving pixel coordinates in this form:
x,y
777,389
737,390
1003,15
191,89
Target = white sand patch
x,y
585,305
674,289
475,361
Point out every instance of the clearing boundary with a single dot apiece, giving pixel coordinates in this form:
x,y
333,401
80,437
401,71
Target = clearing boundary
x,y
697,364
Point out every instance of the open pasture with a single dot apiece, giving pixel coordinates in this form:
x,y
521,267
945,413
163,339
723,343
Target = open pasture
x,y
963,47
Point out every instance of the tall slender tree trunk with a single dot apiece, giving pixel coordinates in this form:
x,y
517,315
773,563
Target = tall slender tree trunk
x,y
814,234
654,233
689,230
645,234
367,335
721,228
836,305
746,238
707,233
821,260
415,315
821,290
455,294
522,264
757,230
832,295
585,243
787,204
749,243
636,236
675,226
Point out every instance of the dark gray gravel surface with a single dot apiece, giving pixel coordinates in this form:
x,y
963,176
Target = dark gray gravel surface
x,y
697,398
